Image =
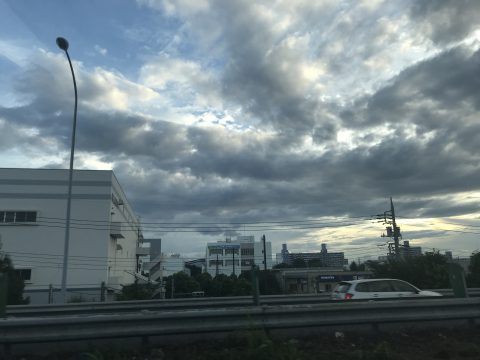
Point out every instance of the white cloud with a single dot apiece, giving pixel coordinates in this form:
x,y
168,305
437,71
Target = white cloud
x,y
100,50
182,79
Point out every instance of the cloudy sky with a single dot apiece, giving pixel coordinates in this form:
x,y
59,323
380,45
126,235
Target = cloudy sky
x,y
293,119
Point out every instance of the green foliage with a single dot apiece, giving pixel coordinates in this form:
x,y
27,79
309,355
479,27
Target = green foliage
x,y
222,285
136,291
299,263
315,263
282,266
427,271
183,284
473,278
15,283
268,283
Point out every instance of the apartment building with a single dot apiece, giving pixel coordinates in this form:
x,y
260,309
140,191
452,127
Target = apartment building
x,y
234,256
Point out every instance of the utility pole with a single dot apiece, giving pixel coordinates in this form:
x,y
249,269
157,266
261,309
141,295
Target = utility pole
x,y
216,266
388,218
396,231
233,260
264,253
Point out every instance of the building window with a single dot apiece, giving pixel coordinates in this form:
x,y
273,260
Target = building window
x,y
247,262
231,251
230,262
8,217
248,251
24,274
215,251
215,263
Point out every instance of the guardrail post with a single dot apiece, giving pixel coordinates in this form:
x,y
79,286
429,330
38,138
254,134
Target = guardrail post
x,y
3,295
103,290
255,288
457,280
50,293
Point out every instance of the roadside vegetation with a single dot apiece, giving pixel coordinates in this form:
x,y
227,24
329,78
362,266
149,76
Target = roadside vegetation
x,y
257,345
428,271
15,283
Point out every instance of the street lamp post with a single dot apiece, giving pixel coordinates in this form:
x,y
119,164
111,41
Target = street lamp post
x,y
63,44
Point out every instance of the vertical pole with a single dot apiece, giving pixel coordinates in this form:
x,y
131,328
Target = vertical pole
x,y
233,260
395,231
216,266
256,290
102,291
69,196
50,294
264,253
3,294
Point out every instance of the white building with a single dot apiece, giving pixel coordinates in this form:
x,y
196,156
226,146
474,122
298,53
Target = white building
x,y
232,257
164,265
104,232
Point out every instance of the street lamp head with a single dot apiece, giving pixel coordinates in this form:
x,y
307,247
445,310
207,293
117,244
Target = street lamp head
x,y
62,43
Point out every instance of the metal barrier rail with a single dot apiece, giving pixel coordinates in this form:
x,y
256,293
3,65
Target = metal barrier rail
x,y
158,305
198,324
175,304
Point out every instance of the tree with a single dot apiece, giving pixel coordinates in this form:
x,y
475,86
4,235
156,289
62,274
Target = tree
x,y
353,266
204,281
427,271
314,263
194,270
473,278
15,283
298,263
282,266
136,291
267,281
183,284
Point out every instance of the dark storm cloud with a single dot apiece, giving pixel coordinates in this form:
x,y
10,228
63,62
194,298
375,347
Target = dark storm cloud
x,y
437,99
434,94
446,20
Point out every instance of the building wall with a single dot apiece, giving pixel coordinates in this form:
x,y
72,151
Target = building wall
x,y
336,259
315,280
249,252
222,252
94,257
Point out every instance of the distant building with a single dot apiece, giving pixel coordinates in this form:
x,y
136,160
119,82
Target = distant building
x,y
315,280
159,265
405,250
232,257
324,258
409,251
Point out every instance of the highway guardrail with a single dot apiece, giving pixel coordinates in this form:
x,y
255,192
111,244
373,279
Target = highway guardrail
x,y
190,325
